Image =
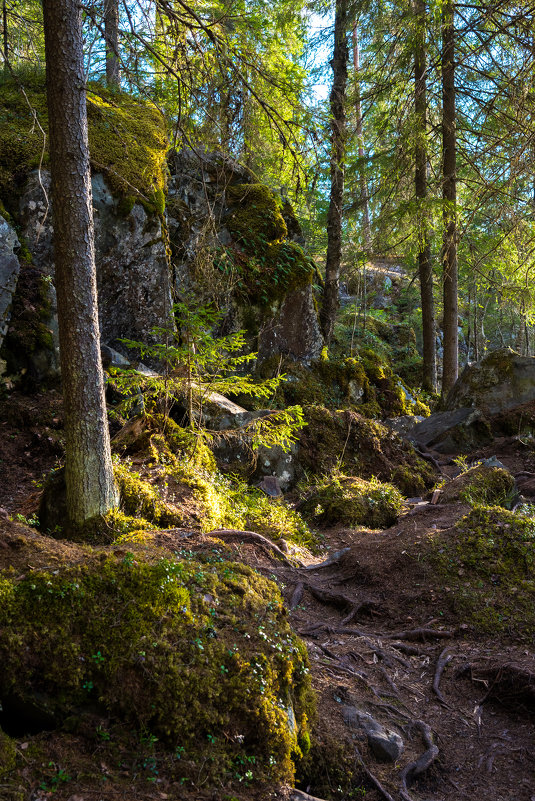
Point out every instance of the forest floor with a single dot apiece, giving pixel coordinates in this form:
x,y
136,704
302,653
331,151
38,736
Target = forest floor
x,y
383,639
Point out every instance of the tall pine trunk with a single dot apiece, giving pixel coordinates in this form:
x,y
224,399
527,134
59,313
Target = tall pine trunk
x,y
363,187
331,299
111,36
449,195
88,466
425,269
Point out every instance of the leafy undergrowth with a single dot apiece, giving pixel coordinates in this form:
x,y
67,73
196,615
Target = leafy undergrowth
x,y
488,561
189,656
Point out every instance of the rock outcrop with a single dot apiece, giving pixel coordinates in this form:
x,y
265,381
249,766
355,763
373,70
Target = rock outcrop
x,y
9,272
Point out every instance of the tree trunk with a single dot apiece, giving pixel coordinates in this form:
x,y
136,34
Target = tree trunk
x,y
88,468
425,269
5,37
451,334
331,299
111,36
366,228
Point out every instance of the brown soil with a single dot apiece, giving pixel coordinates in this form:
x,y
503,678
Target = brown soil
x,y
377,625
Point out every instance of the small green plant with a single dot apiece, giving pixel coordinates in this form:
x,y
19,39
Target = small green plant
x,y
60,777
196,364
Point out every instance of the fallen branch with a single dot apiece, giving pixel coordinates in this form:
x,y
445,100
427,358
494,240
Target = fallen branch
x,y
414,769
443,660
252,536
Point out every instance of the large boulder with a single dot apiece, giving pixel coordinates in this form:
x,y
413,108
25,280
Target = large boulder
x,y
134,287
9,272
234,240
499,382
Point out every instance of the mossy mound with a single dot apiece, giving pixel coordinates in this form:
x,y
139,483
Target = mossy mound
x,y
350,501
186,489
8,754
481,485
366,384
197,654
127,141
359,446
488,562
265,267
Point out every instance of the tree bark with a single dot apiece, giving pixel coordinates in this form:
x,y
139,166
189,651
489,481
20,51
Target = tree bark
x,y
449,195
366,228
331,299
425,269
5,37
111,36
88,467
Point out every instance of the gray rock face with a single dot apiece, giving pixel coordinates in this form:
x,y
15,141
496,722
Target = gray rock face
x,y
499,382
197,206
293,330
454,431
134,288
9,272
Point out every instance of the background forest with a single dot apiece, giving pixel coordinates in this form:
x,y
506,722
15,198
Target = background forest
x,y
251,80
267,509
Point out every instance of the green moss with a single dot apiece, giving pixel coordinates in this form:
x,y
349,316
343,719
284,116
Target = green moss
x,y
8,754
196,654
351,501
359,446
127,140
268,267
141,499
489,564
488,486
257,216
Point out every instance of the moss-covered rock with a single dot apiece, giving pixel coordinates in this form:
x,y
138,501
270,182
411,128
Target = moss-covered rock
x,y
127,141
359,446
196,654
8,754
488,563
481,485
351,501
268,267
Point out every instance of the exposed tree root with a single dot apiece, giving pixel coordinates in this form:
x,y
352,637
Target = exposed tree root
x,y
297,595
414,769
370,776
258,539
334,559
299,795
443,660
422,635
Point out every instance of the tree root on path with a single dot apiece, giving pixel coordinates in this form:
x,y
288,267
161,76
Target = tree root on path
x,y
414,769
258,539
334,559
443,660
419,634
370,776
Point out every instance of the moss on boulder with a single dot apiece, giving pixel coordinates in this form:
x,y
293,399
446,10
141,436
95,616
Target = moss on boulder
x,y
481,485
266,267
351,501
359,446
197,654
127,141
488,563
